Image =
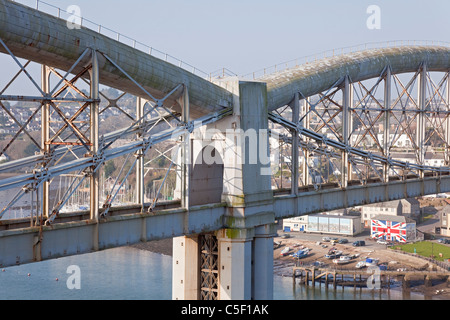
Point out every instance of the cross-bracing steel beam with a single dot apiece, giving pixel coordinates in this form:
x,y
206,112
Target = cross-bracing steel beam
x,y
97,149
343,127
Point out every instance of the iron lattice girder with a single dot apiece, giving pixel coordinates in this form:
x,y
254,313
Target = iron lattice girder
x,y
90,164
50,98
209,267
93,160
96,161
107,138
327,105
351,150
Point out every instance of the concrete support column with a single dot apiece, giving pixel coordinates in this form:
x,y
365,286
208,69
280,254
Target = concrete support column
x,y
245,245
247,172
185,268
235,269
263,262
45,137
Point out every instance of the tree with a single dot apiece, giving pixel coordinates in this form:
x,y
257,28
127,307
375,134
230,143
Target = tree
x,y
30,149
110,167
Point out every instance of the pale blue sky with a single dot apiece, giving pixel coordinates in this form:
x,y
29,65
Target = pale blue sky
x,y
247,35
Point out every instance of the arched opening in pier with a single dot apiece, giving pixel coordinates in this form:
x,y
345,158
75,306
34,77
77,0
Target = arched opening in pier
x,y
207,178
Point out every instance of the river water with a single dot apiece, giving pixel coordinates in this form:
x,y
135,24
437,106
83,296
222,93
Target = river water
x,y
133,274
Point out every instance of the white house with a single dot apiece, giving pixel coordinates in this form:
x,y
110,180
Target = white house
x,y
295,224
4,158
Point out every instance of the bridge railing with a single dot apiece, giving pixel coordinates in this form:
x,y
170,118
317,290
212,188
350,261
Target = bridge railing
x,y
86,23
339,52
63,14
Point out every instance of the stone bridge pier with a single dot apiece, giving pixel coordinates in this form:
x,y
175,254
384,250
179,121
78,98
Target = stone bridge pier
x,y
229,163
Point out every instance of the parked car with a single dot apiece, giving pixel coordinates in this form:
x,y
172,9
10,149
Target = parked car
x,y
341,241
359,243
443,240
381,241
383,267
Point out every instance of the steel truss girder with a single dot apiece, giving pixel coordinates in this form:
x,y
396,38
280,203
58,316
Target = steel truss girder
x,y
429,109
351,151
90,164
96,161
49,99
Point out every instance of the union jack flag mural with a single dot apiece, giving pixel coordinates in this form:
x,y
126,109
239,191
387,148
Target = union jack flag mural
x,y
389,230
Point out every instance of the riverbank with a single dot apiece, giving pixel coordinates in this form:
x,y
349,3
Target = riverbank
x,y
283,264
163,247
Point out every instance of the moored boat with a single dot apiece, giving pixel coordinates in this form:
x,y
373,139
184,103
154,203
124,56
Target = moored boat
x,y
360,265
301,253
371,262
342,260
333,254
285,251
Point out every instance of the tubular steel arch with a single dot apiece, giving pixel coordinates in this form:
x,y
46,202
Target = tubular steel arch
x,y
359,130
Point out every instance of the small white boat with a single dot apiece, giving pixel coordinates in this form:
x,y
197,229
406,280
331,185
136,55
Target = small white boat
x,y
342,260
371,262
360,265
333,254
285,251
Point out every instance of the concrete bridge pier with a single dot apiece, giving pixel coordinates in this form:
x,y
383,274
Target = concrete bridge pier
x,y
246,263
263,262
231,264
230,163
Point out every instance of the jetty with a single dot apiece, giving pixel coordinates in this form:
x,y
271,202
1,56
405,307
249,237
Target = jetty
x,y
373,278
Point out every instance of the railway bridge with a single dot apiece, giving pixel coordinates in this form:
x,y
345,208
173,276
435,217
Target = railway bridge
x,y
238,153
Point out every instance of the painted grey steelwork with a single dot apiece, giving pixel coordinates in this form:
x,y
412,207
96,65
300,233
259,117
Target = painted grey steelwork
x,y
73,233
243,220
42,38
315,77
